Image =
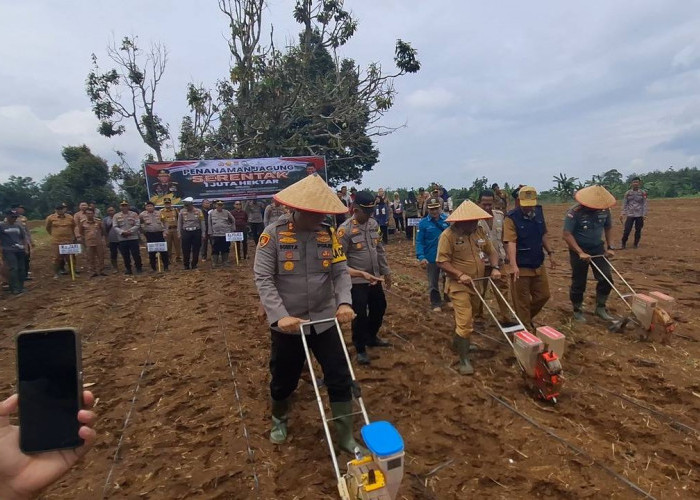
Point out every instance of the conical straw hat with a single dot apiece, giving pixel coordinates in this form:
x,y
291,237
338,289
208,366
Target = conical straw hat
x,y
596,197
468,210
311,194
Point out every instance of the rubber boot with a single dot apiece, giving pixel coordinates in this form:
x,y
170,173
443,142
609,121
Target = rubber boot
x,y
578,313
278,434
455,344
465,367
343,427
225,260
215,260
115,265
600,309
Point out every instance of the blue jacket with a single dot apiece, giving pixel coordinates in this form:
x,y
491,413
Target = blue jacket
x,y
381,213
530,253
429,231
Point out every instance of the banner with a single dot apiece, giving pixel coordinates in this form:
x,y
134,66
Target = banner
x,y
227,180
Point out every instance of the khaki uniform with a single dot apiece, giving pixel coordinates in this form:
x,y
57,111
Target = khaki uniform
x,y
79,217
500,200
301,274
363,247
62,231
168,217
531,290
465,253
93,239
495,235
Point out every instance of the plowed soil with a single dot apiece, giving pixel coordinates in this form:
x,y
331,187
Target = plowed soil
x,y
179,364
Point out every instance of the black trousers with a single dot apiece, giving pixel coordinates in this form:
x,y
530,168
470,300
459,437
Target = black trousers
x,y
129,249
369,304
398,220
27,261
256,229
409,232
638,223
579,276
191,243
287,361
219,245
113,250
205,248
157,237
385,233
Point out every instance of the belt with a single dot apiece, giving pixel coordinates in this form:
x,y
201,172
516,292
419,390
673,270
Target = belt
x,y
172,227
192,229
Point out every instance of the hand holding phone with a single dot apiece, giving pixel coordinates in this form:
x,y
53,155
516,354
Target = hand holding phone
x,y
23,476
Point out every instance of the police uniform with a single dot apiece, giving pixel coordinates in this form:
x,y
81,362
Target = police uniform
x,y
62,231
168,216
219,223
588,227
153,228
494,232
303,274
365,252
127,225
191,227
635,207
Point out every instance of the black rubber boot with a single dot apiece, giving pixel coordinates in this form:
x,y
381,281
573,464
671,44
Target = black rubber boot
x,y
600,309
578,313
465,366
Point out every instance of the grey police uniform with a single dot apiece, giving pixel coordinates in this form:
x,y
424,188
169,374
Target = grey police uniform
x,y
219,224
304,275
129,244
191,226
153,228
363,247
635,207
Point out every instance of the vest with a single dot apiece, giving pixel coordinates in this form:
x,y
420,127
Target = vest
x,y
530,253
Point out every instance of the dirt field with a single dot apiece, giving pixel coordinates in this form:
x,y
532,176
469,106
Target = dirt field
x,y
163,342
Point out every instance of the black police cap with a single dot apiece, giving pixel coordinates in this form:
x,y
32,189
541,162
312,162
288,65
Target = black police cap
x,y
364,199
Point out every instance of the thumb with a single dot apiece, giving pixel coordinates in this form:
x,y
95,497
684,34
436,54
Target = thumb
x,y
8,407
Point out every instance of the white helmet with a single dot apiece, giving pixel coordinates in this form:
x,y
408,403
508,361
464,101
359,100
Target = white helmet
x,y
188,200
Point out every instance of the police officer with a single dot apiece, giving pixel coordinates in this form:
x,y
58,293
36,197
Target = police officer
x,y
360,237
111,239
461,250
127,225
61,227
191,229
152,227
634,207
301,274
525,232
164,186
168,216
219,223
585,225
92,237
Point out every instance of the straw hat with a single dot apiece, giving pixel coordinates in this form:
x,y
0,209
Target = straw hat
x,y
311,194
596,197
468,210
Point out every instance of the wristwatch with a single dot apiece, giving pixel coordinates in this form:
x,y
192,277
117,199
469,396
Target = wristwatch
x,y
498,268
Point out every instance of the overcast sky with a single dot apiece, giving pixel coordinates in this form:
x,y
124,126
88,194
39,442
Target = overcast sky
x,y
516,91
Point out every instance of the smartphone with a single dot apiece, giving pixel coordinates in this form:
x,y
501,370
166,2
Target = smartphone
x,y
49,383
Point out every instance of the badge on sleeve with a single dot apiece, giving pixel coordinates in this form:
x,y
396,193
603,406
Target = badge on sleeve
x,y
337,248
264,240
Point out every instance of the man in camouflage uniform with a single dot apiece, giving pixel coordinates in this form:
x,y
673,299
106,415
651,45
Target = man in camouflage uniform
x,y
360,237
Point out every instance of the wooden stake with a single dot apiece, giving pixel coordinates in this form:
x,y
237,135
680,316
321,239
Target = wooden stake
x,y
72,267
235,250
160,267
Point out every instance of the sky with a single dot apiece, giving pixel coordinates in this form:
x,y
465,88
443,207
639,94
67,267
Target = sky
x,y
511,90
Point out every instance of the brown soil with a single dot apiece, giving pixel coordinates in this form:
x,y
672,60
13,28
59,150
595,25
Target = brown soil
x,y
161,341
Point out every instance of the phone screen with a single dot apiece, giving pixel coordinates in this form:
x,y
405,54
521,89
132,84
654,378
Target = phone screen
x,y
48,375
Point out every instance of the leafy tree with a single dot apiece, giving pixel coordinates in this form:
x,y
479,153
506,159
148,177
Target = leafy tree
x,y
565,186
304,100
20,190
137,75
131,182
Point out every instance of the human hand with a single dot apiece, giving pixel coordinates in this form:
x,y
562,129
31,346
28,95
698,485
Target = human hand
x,y
24,476
495,274
516,271
464,279
609,253
387,281
260,314
290,324
423,263
584,256
373,280
345,314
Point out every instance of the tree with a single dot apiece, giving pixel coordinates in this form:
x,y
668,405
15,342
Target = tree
x,y
305,100
565,186
132,183
138,75
20,190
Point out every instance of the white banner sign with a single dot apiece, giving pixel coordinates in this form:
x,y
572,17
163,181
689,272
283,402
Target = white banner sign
x,y
70,249
234,236
158,246
413,221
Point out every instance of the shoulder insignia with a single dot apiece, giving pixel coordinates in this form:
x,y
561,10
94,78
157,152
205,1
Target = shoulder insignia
x,y
341,232
264,240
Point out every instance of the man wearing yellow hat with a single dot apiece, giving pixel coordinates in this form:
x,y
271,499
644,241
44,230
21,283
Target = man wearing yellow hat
x,y
585,225
460,255
301,274
525,232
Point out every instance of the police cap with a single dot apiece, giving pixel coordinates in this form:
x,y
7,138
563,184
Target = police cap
x,y
364,200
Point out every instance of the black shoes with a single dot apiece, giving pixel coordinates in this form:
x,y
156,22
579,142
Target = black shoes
x,y
378,342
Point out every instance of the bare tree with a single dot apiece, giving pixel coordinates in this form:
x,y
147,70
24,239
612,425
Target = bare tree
x,y
128,92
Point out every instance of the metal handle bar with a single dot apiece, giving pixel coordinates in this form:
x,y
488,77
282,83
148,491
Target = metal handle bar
x,y
594,264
